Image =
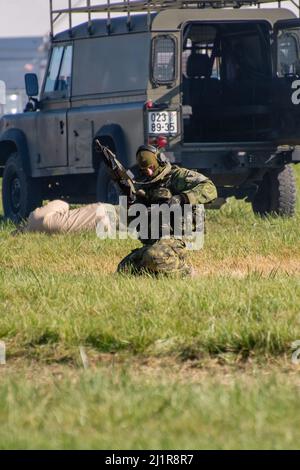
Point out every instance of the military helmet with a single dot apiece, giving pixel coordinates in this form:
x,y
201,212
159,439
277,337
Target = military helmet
x,y
146,156
150,156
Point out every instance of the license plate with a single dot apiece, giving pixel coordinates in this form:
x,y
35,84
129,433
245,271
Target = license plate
x,y
162,122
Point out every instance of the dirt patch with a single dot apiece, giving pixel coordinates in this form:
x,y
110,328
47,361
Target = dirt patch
x,y
167,369
240,267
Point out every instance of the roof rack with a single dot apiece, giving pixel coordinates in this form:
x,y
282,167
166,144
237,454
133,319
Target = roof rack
x,y
149,6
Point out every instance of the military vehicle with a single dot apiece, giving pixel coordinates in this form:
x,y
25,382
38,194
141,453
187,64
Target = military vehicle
x,y
214,83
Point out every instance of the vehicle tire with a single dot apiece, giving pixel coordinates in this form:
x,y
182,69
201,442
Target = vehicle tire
x,y
107,190
276,193
21,194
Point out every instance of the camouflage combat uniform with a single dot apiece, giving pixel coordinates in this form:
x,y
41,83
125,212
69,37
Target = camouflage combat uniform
x,y
168,255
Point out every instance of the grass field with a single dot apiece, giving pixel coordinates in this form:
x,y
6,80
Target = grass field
x,y
197,363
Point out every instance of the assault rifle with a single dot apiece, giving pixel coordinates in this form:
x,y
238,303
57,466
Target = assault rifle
x,y
119,174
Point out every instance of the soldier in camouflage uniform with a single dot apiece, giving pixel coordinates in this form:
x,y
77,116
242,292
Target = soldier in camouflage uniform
x,y
165,183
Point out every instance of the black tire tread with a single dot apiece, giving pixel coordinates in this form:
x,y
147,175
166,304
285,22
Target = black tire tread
x,y
277,193
287,192
32,190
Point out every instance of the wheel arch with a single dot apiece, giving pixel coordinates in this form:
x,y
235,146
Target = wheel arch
x,y
11,141
113,136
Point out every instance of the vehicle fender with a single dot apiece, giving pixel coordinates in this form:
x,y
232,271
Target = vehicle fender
x,y
11,141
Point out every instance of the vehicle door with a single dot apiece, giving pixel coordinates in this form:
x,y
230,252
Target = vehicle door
x,y
286,90
55,101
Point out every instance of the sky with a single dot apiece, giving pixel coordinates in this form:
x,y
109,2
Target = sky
x,y
31,17
19,18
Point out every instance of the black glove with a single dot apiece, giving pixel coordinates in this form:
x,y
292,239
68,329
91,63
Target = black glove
x,y
178,199
140,196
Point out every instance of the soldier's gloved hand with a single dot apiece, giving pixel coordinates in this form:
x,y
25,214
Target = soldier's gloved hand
x,y
178,199
140,196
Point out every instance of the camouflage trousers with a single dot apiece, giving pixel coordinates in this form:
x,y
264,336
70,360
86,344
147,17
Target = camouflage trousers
x,y
165,256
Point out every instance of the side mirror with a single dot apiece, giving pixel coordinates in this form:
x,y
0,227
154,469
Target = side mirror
x,y
31,84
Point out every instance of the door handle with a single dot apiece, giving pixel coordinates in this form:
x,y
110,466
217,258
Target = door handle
x,y
62,126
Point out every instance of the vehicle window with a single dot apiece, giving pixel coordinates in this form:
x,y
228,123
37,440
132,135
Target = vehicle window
x,y
245,57
202,43
288,52
163,59
54,66
64,78
110,65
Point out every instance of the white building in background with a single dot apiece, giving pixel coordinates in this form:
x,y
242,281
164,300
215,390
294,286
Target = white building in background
x,y
17,57
24,45
2,96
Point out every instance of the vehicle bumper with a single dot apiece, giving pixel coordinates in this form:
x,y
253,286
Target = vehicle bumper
x,y
232,157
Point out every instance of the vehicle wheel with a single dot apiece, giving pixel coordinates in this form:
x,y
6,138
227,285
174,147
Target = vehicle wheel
x,y
20,193
276,193
107,189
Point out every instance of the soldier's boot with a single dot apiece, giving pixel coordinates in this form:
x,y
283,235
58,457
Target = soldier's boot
x,y
132,263
167,256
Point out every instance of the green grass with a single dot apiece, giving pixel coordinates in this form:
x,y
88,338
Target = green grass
x,y
117,410
61,292
206,316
